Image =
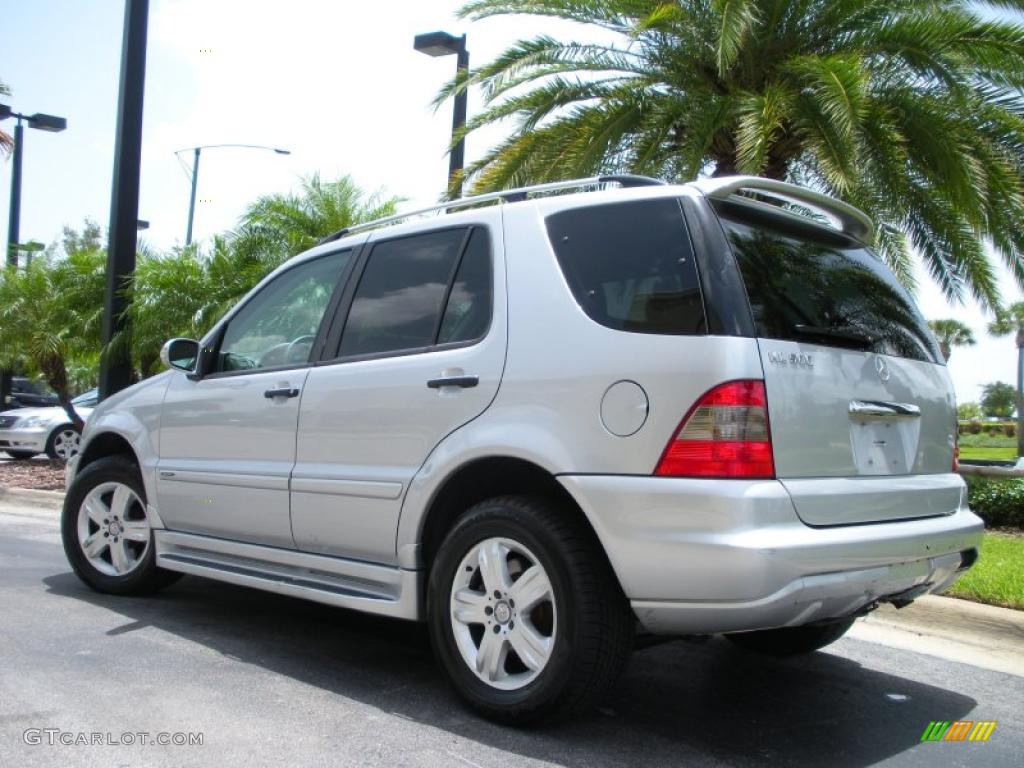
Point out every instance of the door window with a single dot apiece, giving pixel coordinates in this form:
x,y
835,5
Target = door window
x,y
419,291
278,325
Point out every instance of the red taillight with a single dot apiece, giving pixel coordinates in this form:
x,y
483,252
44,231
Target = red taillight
x,y
725,434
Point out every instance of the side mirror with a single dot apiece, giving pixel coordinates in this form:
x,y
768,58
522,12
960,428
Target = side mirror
x,y
180,354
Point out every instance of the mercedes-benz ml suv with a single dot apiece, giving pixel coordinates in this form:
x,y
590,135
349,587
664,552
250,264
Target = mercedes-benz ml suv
x,y
547,425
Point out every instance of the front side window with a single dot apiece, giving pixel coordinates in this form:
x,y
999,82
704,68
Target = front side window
x,y
419,291
278,325
630,266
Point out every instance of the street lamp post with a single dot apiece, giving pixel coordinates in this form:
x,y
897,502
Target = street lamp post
x,y
42,122
195,174
444,44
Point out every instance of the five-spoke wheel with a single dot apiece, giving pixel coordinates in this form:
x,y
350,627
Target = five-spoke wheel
x,y
526,617
106,529
503,613
113,530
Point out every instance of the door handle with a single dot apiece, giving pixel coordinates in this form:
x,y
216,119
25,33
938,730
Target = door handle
x,y
454,381
282,392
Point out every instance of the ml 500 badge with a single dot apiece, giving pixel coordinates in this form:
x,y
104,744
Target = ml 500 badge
x,y
795,359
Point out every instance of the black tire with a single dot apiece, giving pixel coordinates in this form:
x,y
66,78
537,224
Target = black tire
x,y
51,449
146,577
595,624
792,641
20,455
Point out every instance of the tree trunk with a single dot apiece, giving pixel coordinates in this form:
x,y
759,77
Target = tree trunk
x,y
1020,394
57,377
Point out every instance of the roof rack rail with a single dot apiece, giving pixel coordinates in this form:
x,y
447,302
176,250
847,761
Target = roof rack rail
x,y
508,195
851,221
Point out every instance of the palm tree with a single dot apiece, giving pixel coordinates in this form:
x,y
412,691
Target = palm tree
x,y
909,109
951,333
1011,320
275,227
6,142
50,316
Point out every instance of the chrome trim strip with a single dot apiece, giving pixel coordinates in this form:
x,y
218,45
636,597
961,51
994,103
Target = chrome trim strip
x,y
368,489
265,482
882,409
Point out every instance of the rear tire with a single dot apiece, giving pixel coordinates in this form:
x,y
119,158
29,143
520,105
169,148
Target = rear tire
x,y
562,647
106,532
792,641
20,455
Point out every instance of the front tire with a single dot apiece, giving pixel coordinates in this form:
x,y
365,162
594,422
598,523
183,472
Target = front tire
x,y
792,641
20,455
525,616
63,442
106,532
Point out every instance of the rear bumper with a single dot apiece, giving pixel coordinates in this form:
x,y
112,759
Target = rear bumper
x,y
707,556
23,439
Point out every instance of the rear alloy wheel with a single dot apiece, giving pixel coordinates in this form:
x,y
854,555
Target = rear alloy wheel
x,y
792,641
63,443
503,613
526,617
105,527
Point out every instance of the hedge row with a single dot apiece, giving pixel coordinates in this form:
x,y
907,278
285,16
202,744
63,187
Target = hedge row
x,y
1000,503
976,428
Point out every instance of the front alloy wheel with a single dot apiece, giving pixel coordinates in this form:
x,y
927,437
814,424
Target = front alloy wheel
x,y
503,613
113,530
106,530
63,443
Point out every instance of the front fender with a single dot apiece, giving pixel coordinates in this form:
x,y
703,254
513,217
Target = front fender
x,y
134,416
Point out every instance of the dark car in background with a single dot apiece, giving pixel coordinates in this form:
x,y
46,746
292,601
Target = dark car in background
x,y
26,393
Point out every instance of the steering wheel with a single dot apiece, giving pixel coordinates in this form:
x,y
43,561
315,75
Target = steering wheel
x,y
295,342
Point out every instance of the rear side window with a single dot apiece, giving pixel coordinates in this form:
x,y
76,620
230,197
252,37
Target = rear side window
x,y
812,286
630,266
419,291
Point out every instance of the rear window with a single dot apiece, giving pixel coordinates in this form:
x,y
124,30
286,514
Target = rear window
x,y
809,285
630,266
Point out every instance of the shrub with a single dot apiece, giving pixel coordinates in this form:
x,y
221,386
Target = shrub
x,y
998,502
1010,430
974,428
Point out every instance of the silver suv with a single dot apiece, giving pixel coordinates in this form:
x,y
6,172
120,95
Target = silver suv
x,y
549,425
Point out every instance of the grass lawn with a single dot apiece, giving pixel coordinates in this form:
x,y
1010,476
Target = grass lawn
x,y
998,576
1000,453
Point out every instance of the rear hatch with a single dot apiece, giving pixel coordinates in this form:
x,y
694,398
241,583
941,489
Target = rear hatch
x,y
861,408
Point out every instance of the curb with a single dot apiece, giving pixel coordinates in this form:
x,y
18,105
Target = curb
x,y
958,630
32,498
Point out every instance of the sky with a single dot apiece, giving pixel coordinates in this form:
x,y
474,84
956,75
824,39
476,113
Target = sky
x,y
335,82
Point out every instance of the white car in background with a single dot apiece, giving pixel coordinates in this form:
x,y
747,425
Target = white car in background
x,y
26,432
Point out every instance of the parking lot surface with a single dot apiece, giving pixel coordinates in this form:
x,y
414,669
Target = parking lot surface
x,y
268,680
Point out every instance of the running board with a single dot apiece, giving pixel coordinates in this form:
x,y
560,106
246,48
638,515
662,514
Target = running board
x,y
335,581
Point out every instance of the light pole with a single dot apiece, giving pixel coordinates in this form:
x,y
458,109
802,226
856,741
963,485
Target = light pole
x,y
41,122
444,44
195,174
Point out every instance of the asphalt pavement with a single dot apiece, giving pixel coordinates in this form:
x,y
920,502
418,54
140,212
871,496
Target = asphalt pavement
x,y
268,680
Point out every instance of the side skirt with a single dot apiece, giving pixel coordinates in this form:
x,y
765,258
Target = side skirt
x,y
335,581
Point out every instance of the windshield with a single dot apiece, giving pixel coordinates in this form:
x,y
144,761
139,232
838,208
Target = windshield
x,y
87,398
808,285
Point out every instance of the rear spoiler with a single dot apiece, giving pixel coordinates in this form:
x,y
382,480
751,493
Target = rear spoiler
x,y
851,221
